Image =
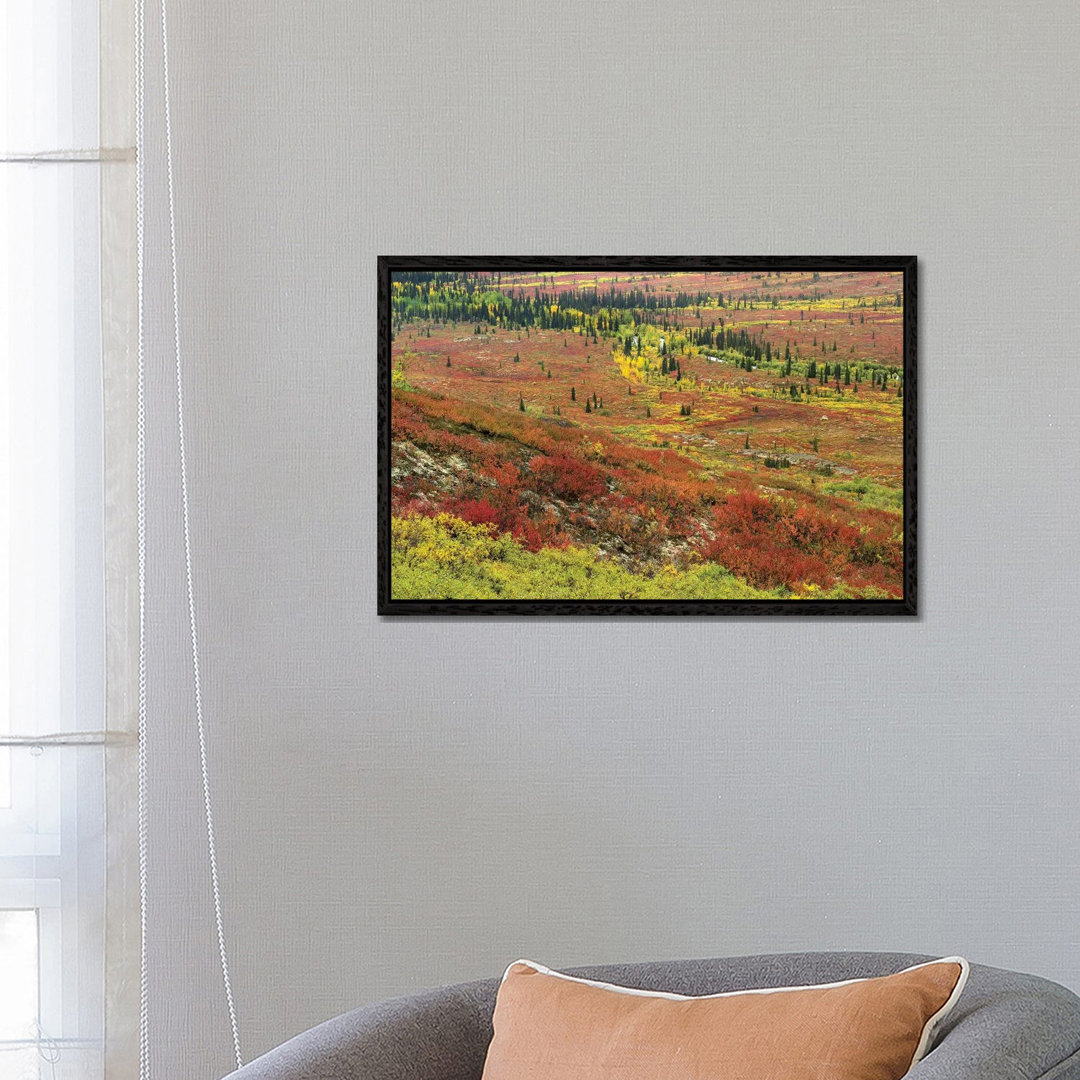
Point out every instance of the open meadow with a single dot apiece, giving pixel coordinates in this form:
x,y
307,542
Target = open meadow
x,y
664,436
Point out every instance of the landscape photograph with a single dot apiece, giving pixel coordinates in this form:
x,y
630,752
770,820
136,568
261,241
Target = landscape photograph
x,y
708,438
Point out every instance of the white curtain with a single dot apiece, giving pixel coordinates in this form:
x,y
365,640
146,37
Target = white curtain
x,y
60,245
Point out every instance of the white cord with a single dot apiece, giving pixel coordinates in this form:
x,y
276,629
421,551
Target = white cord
x,y
140,454
207,804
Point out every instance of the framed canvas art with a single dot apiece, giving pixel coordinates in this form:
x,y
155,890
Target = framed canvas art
x,y
646,436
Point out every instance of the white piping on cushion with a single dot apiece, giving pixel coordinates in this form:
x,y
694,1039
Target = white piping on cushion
x,y
931,1025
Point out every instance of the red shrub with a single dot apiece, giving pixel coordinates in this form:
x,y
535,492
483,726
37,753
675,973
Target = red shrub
x,y
772,544
511,518
476,512
567,476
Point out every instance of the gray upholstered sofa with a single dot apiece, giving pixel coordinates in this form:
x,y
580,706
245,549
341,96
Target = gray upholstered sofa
x,y
1006,1026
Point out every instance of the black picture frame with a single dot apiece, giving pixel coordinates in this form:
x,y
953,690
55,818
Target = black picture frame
x,y
906,605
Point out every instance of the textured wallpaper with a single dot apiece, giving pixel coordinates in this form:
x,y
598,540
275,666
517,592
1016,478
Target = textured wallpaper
x,y
402,804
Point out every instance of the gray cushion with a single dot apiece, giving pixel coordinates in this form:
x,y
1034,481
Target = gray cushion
x,y
1006,1026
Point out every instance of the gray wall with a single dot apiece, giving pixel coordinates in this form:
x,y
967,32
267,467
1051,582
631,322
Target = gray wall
x,y
408,803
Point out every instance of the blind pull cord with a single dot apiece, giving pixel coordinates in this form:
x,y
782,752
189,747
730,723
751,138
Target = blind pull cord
x,y
140,95
140,459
